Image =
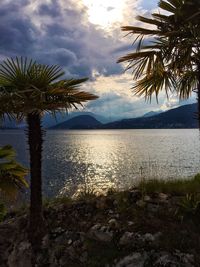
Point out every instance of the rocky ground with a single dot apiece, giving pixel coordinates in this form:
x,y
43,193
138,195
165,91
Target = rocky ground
x,y
124,229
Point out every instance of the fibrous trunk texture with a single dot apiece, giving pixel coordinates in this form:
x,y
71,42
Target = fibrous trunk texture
x,y
35,140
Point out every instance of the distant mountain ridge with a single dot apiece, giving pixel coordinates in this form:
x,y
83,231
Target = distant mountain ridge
x,y
49,121
79,122
181,117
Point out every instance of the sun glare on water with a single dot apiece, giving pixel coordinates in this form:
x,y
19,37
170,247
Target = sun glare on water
x,y
105,12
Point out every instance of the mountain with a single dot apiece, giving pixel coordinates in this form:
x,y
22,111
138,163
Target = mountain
x,y
49,121
152,113
181,117
11,124
79,122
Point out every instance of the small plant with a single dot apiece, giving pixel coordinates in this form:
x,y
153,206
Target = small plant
x,y
86,194
111,191
142,183
12,174
189,206
86,191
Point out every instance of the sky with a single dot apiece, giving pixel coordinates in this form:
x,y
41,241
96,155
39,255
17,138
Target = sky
x,y
84,37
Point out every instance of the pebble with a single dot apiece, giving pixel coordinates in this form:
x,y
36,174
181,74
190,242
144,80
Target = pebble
x,y
113,224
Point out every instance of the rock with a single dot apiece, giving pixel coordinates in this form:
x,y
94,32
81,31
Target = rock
x,y
135,195
187,259
152,207
111,212
69,242
167,259
130,223
45,241
83,257
57,232
101,203
147,198
7,236
149,238
133,260
163,198
141,203
20,255
126,239
113,224
138,240
100,233
115,202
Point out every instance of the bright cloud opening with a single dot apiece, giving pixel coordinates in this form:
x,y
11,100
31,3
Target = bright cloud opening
x,y
105,12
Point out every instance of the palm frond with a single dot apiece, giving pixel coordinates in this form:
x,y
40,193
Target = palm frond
x,y
171,60
139,30
12,174
28,87
188,82
168,6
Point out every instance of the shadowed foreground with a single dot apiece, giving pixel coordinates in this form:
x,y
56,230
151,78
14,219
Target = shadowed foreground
x,y
139,227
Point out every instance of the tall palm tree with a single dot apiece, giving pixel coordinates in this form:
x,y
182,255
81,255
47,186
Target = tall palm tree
x,y
167,55
28,89
12,174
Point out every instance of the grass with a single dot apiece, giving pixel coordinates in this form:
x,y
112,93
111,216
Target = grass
x,y
173,187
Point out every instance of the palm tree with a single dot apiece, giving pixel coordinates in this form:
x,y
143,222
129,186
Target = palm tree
x,y
167,55
28,89
12,174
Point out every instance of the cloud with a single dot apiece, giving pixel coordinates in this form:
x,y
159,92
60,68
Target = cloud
x,y
173,101
60,32
56,32
117,100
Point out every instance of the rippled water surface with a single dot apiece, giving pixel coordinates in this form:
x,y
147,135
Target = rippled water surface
x,y
101,159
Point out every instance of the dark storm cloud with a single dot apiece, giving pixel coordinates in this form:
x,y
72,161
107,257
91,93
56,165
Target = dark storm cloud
x,y
49,10
16,31
54,33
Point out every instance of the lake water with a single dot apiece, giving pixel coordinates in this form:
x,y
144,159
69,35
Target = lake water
x,y
102,159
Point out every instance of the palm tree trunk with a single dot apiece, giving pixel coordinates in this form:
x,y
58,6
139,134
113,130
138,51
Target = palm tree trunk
x,y
35,140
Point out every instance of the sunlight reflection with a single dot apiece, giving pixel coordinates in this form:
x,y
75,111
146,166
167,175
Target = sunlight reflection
x,y
99,154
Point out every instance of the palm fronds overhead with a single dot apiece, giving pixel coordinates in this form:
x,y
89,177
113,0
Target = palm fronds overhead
x,y
27,87
167,50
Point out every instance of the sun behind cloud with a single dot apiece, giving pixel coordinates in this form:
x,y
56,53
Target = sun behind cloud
x,y
105,12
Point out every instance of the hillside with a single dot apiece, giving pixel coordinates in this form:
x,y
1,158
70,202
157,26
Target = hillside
x,y
49,121
79,122
181,117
